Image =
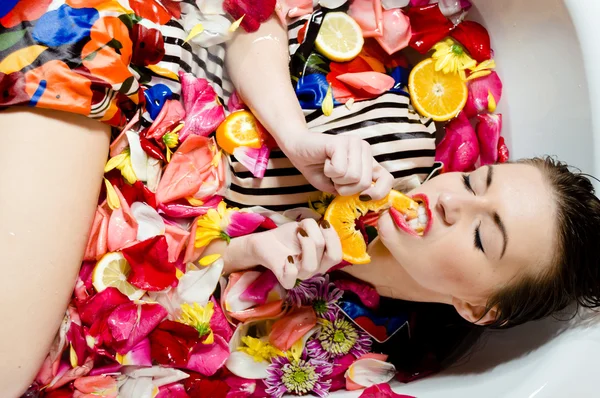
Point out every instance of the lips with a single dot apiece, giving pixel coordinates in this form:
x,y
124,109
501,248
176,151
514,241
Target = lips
x,y
415,225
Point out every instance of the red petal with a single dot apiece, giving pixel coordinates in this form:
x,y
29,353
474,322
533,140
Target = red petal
x,y
382,391
459,149
254,12
77,340
207,388
475,39
365,292
131,323
166,350
428,26
503,153
150,266
144,194
289,329
488,134
219,323
101,304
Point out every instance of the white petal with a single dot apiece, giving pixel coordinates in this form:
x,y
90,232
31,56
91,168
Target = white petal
x,y
139,159
391,4
159,375
154,171
368,372
136,388
331,4
210,6
169,300
150,223
198,286
233,302
216,28
243,365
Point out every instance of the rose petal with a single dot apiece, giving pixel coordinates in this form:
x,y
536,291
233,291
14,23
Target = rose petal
x,y
218,322
101,304
215,27
204,112
475,39
150,266
331,4
428,26
484,95
366,293
241,387
453,7
253,159
264,288
97,385
131,323
140,387
150,223
489,129
182,209
238,284
459,149
171,343
391,4
369,371
289,329
267,311
172,391
119,144
160,376
374,83
139,158
207,359
122,227
176,240
253,12
396,31
170,115
503,153
97,244
367,13
138,356
382,391
235,103
198,286
243,223
153,172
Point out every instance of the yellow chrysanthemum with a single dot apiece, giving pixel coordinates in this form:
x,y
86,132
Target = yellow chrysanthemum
x,y
171,140
450,57
259,350
122,162
199,317
212,225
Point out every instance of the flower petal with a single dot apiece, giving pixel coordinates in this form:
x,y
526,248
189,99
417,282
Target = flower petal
x,y
484,95
289,329
391,4
150,266
428,26
396,31
198,286
218,322
131,323
176,240
254,12
366,293
171,343
238,284
140,387
503,153
235,103
453,7
264,288
367,13
204,112
382,391
367,372
240,363
459,149
172,391
207,359
182,209
160,376
139,355
475,38
100,304
489,129
374,83
150,223
243,223
97,244
97,385
139,158
170,115
271,310
122,227
253,159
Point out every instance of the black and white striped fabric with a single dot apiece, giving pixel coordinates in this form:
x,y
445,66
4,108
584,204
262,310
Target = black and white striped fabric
x,y
401,141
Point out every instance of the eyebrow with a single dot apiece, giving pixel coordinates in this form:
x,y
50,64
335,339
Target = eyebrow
x,y
497,219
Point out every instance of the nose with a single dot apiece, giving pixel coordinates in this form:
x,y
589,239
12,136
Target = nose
x,y
453,206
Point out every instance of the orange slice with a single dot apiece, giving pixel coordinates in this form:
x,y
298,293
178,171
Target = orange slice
x,y
240,128
343,212
435,94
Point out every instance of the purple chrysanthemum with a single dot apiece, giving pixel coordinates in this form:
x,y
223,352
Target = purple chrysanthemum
x,y
317,292
298,377
338,337
304,292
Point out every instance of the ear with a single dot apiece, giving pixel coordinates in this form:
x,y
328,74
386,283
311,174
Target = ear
x,y
475,313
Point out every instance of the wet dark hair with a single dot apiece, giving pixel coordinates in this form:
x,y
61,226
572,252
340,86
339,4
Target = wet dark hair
x,y
574,276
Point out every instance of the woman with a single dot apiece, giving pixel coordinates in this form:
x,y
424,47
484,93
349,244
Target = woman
x,y
475,222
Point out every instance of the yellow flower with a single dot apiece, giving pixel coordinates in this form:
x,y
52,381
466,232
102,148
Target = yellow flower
x,y
450,57
259,350
481,70
198,317
171,140
327,106
212,225
122,162
321,204
111,196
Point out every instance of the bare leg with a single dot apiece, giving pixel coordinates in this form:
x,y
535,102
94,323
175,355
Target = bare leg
x,y
51,166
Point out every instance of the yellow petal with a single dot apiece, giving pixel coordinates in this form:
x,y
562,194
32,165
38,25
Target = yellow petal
x,y
210,339
19,59
73,357
327,106
208,260
111,196
491,102
479,74
164,72
216,159
234,26
115,162
296,350
169,153
128,173
196,30
194,201
178,128
178,273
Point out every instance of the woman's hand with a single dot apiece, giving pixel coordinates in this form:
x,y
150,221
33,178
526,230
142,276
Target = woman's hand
x,y
296,250
341,165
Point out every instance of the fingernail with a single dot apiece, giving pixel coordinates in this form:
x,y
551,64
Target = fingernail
x,y
291,259
365,198
302,233
324,224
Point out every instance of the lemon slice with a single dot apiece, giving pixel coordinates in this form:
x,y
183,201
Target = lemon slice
x,y
112,271
435,94
340,38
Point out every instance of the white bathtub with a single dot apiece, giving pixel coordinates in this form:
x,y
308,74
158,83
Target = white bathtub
x,y
548,105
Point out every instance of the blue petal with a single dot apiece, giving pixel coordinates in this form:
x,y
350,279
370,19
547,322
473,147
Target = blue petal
x,y
156,98
400,76
66,25
311,91
6,6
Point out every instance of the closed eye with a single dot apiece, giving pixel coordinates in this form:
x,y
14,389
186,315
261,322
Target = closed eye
x,y
467,183
477,239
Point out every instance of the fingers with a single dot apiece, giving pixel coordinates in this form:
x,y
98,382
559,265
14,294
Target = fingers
x,y
337,164
362,166
332,254
383,183
312,244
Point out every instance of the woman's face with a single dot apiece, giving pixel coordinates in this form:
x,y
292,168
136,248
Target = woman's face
x,y
489,227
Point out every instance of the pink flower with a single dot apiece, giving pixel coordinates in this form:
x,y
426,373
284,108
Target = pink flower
x,y
203,110
459,149
484,95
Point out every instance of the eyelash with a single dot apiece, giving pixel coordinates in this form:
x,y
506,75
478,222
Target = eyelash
x,y
477,234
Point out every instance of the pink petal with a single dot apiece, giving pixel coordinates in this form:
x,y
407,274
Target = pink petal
x,y
372,82
382,391
190,168
271,310
66,374
122,227
419,3
367,13
182,209
292,9
488,134
340,365
207,359
396,31
289,329
481,91
131,323
260,289
253,159
96,384
101,304
176,240
366,293
459,149
170,115
120,143
243,223
78,344
235,103
97,244
240,387
203,110
219,323
172,391
139,355
238,284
